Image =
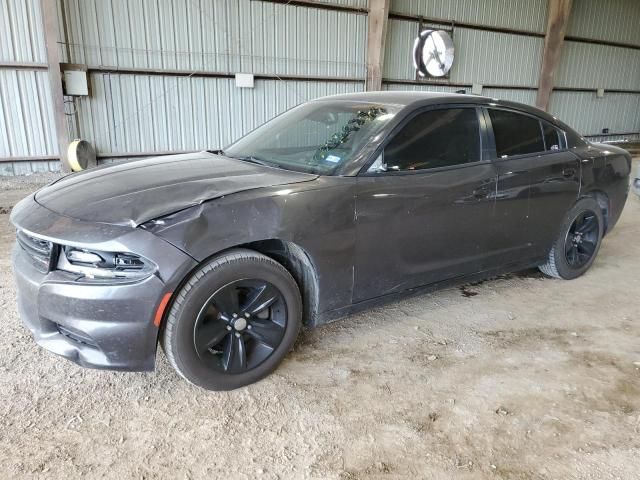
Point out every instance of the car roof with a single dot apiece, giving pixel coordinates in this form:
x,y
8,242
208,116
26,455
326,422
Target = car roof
x,y
417,98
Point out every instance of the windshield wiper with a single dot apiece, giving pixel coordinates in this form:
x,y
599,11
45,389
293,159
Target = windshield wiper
x,y
252,159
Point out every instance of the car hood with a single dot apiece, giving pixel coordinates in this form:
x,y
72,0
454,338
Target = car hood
x,y
136,192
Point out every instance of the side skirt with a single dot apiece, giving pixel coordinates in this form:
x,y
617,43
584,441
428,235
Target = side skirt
x,y
332,315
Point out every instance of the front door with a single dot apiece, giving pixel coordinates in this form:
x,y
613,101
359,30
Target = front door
x,y
424,208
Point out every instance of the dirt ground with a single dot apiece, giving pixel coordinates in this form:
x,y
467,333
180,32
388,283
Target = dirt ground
x,y
520,377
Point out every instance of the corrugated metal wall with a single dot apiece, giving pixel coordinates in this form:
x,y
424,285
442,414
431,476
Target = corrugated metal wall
x,y
481,57
26,122
21,34
485,57
142,113
137,112
217,35
587,65
26,114
528,15
619,112
611,20
611,67
504,59
189,99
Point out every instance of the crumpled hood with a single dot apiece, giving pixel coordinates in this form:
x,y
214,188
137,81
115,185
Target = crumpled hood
x,y
136,192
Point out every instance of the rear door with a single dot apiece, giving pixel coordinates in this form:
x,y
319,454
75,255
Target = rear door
x,y
424,207
555,186
538,181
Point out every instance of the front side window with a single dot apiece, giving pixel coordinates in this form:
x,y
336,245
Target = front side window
x,y
315,137
433,139
515,134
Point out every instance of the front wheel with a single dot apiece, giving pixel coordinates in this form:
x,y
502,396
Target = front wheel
x,y
233,322
578,243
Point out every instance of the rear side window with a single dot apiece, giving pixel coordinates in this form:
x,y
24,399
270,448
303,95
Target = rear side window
x,y
437,138
551,137
515,134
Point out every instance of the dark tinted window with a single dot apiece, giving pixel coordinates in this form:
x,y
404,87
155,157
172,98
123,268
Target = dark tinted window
x,y
515,134
437,138
551,138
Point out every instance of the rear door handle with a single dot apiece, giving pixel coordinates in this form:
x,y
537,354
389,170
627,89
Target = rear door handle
x,y
568,172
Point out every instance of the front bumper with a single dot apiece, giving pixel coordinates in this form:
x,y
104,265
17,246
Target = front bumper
x,y
95,325
99,326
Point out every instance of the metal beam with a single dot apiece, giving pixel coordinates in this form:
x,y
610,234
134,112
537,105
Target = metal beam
x,y
557,21
460,24
318,4
213,74
23,66
512,31
50,22
33,158
378,20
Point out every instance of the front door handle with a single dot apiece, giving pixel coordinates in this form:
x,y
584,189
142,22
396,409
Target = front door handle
x,y
569,172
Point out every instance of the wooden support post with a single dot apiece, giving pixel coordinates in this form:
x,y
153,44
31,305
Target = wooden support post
x,y
558,19
378,18
50,22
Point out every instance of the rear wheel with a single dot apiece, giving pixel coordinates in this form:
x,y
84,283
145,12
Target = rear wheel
x,y
233,322
578,243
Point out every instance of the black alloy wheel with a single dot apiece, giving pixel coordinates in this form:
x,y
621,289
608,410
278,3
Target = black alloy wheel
x,y
578,241
233,321
582,239
240,325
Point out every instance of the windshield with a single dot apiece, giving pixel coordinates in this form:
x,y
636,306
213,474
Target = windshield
x,y
315,137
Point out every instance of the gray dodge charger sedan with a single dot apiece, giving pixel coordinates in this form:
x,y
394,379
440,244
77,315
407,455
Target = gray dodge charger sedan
x,y
336,205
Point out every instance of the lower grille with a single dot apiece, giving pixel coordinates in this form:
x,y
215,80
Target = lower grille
x,y
76,336
40,251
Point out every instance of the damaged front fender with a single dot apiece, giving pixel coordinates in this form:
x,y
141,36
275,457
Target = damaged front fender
x,y
295,215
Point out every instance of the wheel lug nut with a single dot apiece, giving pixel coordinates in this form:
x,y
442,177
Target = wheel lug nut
x,y
237,335
246,315
249,327
228,327
235,315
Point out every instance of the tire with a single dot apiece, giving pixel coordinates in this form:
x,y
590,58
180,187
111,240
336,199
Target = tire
x,y
568,247
198,318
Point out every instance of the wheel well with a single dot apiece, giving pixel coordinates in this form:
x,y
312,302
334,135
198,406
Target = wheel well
x,y
299,265
603,200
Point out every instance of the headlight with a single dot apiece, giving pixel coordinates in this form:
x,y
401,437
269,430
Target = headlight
x,y
105,266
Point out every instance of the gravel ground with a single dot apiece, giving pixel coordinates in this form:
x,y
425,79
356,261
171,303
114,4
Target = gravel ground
x,y
519,377
17,187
